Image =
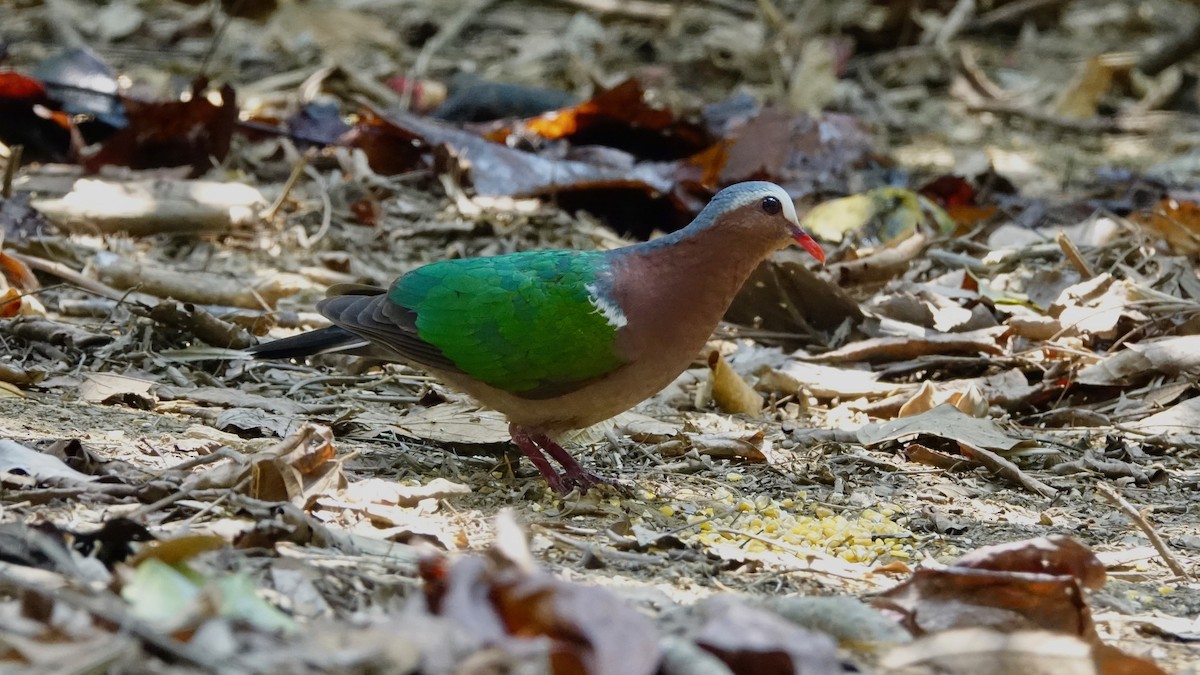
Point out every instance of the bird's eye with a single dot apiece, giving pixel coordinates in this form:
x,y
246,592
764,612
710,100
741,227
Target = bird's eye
x,y
771,206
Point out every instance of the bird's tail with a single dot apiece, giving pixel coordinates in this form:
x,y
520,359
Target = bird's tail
x,y
320,341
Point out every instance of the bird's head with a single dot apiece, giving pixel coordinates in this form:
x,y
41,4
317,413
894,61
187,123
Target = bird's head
x,y
763,209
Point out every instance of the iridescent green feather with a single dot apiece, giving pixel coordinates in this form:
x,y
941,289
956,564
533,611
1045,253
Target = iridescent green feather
x,y
521,322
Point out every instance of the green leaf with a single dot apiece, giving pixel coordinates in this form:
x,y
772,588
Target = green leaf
x,y
160,594
238,599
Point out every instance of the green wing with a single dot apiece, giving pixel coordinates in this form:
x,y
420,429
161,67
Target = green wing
x,y
524,323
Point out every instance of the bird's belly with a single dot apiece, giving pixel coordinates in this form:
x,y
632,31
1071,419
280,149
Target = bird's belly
x,y
594,402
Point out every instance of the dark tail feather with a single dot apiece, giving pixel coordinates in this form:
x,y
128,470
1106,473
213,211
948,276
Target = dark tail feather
x,y
320,341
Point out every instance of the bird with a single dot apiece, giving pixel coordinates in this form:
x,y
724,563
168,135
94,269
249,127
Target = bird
x,y
558,340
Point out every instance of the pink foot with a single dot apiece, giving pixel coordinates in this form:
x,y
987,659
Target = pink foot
x,y
534,443
573,472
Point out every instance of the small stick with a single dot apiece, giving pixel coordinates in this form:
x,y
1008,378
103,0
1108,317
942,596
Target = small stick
x,y
297,171
10,170
1174,51
1139,519
1072,252
326,211
1006,469
956,20
633,9
1011,13
449,30
86,283
1124,123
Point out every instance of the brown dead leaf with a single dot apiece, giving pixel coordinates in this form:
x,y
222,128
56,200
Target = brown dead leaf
x,y
1140,361
970,400
1103,307
915,452
784,294
981,341
922,401
194,133
827,382
750,446
1092,83
1035,584
943,421
498,170
1179,425
729,391
802,153
110,388
1056,554
10,303
750,640
506,601
307,470
17,273
178,549
619,117
932,601
1176,221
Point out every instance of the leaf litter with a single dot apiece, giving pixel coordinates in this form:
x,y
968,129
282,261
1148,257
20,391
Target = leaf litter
x,y
1002,341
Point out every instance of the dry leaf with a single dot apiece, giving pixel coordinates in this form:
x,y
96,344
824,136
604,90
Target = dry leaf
x,y
1140,361
944,421
751,640
178,549
730,392
922,401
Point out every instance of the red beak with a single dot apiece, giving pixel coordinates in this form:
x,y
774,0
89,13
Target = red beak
x,y
810,245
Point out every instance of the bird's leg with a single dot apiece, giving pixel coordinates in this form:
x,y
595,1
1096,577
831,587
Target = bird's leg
x,y
528,445
574,473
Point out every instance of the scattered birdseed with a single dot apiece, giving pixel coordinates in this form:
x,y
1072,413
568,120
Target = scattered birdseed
x,y
872,535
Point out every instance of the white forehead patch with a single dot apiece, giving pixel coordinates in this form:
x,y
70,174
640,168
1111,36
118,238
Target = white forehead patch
x,y
606,308
750,193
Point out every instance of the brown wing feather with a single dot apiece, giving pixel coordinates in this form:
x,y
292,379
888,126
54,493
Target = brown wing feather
x,y
368,313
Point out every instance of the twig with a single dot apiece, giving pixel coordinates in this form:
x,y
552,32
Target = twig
x,y
633,9
448,32
297,170
1072,252
883,264
1139,519
1006,469
326,210
1172,52
59,19
219,35
1011,12
236,489
774,18
602,553
956,20
104,493
87,283
976,76
10,170
1129,124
